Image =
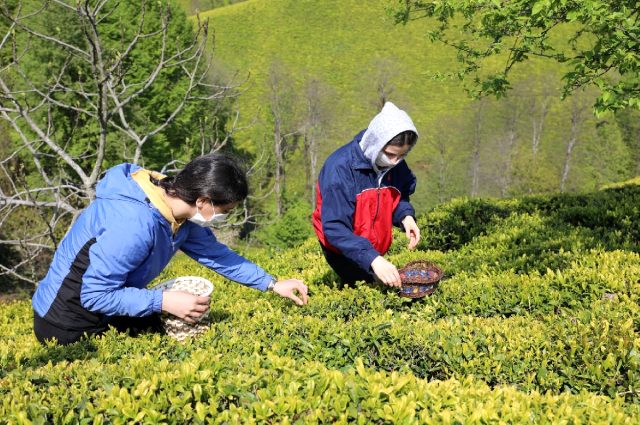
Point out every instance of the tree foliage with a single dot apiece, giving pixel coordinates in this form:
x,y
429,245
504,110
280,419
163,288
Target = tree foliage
x,y
603,47
83,86
289,230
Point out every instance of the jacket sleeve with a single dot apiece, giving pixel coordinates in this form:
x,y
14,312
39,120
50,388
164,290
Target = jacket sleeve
x,y
120,248
338,207
407,188
202,246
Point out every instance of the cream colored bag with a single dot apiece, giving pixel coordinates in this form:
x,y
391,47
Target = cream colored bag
x,y
176,327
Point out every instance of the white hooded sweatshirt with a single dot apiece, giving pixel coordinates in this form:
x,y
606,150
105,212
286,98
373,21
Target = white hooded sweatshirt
x,y
389,122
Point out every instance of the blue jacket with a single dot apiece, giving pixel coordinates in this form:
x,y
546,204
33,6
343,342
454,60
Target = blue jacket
x,y
356,205
119,244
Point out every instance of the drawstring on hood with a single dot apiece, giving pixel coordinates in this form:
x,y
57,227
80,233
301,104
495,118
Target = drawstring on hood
x,y
389,122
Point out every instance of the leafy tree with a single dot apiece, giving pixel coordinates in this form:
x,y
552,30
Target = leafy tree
x,y
289,230
282,101
629,122
598,40
87,84
316,117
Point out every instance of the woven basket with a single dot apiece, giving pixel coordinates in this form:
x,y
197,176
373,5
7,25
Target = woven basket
x,y
419,279
176,327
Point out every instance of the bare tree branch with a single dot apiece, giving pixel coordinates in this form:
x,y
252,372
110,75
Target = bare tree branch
x,y
13,270
52,170
41,134
17,21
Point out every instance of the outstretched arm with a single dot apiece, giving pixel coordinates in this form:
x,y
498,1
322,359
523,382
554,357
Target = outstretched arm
x,y
202,246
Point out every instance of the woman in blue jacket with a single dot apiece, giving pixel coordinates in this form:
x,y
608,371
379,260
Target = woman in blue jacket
x,y
363,190
126,237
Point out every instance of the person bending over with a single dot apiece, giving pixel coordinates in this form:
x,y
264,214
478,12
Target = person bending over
x,y
126,237
363,190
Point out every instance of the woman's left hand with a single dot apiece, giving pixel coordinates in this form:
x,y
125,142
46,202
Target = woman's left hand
x,y
412,230
293,289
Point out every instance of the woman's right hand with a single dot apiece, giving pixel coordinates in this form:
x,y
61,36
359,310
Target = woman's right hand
x,y
386,271
294,289
184,305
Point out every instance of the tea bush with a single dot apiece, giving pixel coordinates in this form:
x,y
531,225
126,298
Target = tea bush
x,y
536,321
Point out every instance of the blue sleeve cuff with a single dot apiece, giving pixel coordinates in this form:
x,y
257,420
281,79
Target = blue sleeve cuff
x,y
157,301
265,283
403,210
367,258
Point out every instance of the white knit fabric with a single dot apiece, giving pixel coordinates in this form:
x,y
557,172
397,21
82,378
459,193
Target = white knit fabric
x,y
389,122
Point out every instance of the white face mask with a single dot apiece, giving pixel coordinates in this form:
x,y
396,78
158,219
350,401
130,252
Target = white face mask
x,y
201,221
218,218
383,161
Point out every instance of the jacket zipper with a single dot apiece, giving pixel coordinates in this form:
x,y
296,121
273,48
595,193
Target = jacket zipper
x,y
378,197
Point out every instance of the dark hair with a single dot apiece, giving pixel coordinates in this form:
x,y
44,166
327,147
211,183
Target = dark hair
x,y
405,138
215,176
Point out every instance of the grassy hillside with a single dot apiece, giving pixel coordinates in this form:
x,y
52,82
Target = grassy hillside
x,y
199,6
338,42
347,44
537,321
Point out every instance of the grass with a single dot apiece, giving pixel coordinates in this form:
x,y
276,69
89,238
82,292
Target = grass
x,y
345,43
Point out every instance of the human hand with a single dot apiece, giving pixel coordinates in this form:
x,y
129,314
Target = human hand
x,y
386,272
293,289
412,230
184,305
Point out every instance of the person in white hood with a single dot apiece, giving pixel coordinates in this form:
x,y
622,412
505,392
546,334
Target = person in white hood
x,y
363,189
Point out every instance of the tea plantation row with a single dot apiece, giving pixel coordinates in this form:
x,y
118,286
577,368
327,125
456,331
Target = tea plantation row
x,y
537,321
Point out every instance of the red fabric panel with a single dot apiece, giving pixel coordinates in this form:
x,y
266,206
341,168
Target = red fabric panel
x,y
316,218
373,216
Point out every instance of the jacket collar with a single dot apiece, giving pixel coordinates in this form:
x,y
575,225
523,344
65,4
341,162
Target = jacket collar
x,y
358,160
155,195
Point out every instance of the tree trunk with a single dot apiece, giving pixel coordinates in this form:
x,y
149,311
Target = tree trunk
x,y
511,137
277,149
475,155
537,123
442,172
307,166
538,117
576,120
313,159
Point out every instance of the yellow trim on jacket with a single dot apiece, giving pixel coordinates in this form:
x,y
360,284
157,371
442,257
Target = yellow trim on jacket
x,y
156,195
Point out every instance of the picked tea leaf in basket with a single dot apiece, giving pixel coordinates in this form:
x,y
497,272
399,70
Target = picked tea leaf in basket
x,y
176,327
419,278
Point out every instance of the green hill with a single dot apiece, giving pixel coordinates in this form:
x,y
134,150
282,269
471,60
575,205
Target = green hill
x,y
348,45
537,321
199,6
